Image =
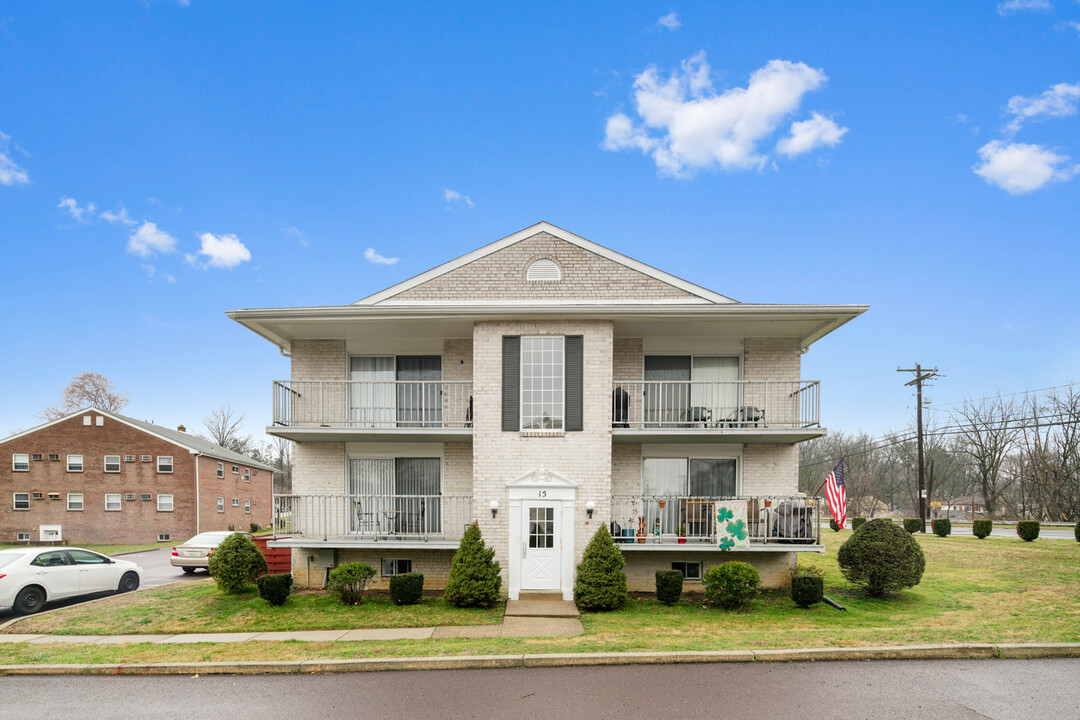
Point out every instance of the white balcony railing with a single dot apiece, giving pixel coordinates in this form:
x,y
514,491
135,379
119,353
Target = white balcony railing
x,y
645,404
373,517
390,404
663,519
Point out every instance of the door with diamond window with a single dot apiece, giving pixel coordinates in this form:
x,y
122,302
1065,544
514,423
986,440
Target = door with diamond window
x,y
542,547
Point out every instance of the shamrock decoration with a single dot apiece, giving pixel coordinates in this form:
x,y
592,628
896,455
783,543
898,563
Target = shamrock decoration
x,y
726,543
737,528
723,514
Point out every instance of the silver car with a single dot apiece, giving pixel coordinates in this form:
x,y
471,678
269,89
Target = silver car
x,y
195,553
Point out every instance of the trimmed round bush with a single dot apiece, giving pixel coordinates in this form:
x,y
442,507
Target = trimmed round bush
x,y
942,527
275,589
882,558
601,582
254,527
913,525
474,574
731,585
982,528
833,525
857,523
807,590
1028,530
407,588
1076,532
668,586
349,581
235,563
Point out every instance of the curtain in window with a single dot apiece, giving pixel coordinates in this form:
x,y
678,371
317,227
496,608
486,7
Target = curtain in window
x,y
419,391
665,480
418,487
371,480
372,399
714,396
667,390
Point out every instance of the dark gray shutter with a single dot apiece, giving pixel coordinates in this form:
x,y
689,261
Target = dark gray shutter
x,y
575,360
511,383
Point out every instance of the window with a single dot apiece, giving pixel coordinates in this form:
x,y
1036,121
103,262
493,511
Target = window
x,y
236,502
235,469
129,458
688,391
86,420
144,458
679,478
221,504
689,570
74,501
36,456
163,537
85,557
99,421
543,270
22,501
247,505
405,492
247,474
51,559
22,536
74,463
256,473
129,496
221,470
542,383
144,496
37,496
112,502
164,463
542,527
54,456
396,567
164,503
20,462
54,496
112,463
415,400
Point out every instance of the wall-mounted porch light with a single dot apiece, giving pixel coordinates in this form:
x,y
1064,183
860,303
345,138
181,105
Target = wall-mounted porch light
x,y
589,507
494,508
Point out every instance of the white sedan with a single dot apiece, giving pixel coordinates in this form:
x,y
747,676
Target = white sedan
x,y
29,577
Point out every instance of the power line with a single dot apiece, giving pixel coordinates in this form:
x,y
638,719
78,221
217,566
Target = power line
x,y
1001,395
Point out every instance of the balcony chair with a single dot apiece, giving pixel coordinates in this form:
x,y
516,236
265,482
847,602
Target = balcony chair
x,y
365,521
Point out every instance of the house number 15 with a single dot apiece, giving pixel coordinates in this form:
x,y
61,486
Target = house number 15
x,y
541,493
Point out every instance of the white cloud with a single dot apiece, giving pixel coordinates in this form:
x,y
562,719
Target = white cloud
x,y
170,278
811,134
1019,168
376,259
148,240
1059,101
453,196
223,251
81,214
296,233
1011,6
700,128
120,217
10,172
1074,24
149,270
670,21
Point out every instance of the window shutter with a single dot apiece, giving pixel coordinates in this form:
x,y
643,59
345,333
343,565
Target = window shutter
x,y
511,383
575,360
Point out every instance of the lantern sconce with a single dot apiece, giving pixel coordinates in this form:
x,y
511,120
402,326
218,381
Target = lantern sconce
x,y
589,507
494,508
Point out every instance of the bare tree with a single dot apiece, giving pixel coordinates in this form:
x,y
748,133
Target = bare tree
x,y
224,427
87,389
988,430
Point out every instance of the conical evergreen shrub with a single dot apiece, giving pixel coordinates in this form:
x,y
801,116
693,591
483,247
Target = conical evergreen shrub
x,y
474,575
601,583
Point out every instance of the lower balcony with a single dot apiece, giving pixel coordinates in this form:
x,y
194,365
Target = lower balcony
x,y
680,522
405,521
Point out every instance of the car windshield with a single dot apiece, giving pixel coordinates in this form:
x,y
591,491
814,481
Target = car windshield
x,y
210,538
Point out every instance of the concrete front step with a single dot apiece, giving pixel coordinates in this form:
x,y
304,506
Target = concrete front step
x,y
541,609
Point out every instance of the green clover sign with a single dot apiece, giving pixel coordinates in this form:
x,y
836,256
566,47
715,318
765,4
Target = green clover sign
x,y
737,528
726,543
723,513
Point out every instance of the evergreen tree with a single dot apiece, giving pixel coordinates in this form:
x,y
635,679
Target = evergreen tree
x,y
474,575
601,583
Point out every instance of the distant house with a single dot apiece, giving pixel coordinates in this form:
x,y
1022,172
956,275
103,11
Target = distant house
x,y
99,477
964,504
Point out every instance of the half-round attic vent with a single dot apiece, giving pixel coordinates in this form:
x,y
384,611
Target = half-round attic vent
x,y
543,270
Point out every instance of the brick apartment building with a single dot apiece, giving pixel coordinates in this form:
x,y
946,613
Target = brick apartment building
x,y
99,477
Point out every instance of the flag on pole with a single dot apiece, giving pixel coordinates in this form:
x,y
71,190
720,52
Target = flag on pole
x,y
835,494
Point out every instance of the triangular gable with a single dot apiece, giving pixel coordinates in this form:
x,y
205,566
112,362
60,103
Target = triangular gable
x,y
591,272
542,477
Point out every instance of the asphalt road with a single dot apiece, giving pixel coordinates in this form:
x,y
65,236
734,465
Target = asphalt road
x,y
906,690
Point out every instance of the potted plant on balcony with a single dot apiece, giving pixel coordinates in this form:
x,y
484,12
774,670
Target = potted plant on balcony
x,y
682,534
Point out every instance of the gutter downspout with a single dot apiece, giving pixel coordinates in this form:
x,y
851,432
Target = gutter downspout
x,y
197,499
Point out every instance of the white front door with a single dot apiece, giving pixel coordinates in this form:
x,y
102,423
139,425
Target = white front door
x,y
542,549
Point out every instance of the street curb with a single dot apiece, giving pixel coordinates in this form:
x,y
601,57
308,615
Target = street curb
x,y
482,662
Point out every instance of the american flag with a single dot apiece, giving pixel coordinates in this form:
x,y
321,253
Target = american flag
x,y
834,493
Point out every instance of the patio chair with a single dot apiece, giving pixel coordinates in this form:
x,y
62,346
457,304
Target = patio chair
x,y
365,521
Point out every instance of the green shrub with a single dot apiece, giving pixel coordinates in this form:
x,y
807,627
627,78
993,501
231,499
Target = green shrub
x,y
857,523
882,558
474,575
254,528
807,590
236,562
1076,532
731,585
349,581
833,525
913,525
668,586
407,588
942,527
275,589
982,528
1028,530
600,583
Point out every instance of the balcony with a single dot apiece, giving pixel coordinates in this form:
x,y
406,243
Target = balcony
x,y
770,411
344,410
776,523
390,521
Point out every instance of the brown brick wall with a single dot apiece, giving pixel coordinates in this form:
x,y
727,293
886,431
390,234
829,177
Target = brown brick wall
x,y
258,491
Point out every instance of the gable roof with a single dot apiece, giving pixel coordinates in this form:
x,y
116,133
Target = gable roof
x,y
192,443
701,294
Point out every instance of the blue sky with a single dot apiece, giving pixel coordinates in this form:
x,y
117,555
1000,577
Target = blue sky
x,y
918,157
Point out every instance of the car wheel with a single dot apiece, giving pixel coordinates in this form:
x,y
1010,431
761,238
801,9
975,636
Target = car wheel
x,y
29,600
189,570
129,582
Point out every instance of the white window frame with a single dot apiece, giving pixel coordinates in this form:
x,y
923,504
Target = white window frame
x,y
521,385
164,457
684,563
697,455
160,498
119,502
164,537
236,502
129,458
15,500
392,564
21,536
247,505
220,504
69,463
144,458
106,464
15,462
87,421
247,474
235,469
221,469
81,501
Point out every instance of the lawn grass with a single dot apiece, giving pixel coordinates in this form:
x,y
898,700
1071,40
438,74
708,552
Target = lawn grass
x,y
993,590
107,549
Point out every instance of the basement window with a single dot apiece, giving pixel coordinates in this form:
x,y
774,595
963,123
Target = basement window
x,y
396,567
689,570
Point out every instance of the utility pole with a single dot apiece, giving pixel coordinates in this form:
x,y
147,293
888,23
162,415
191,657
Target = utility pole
x,y
921,376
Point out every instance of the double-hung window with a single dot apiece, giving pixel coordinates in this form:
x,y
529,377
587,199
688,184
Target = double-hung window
x,y
74,501
22,501
20,462
221,470
164,503
112,463
74,463
112,502
164,464
247,505
221,504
